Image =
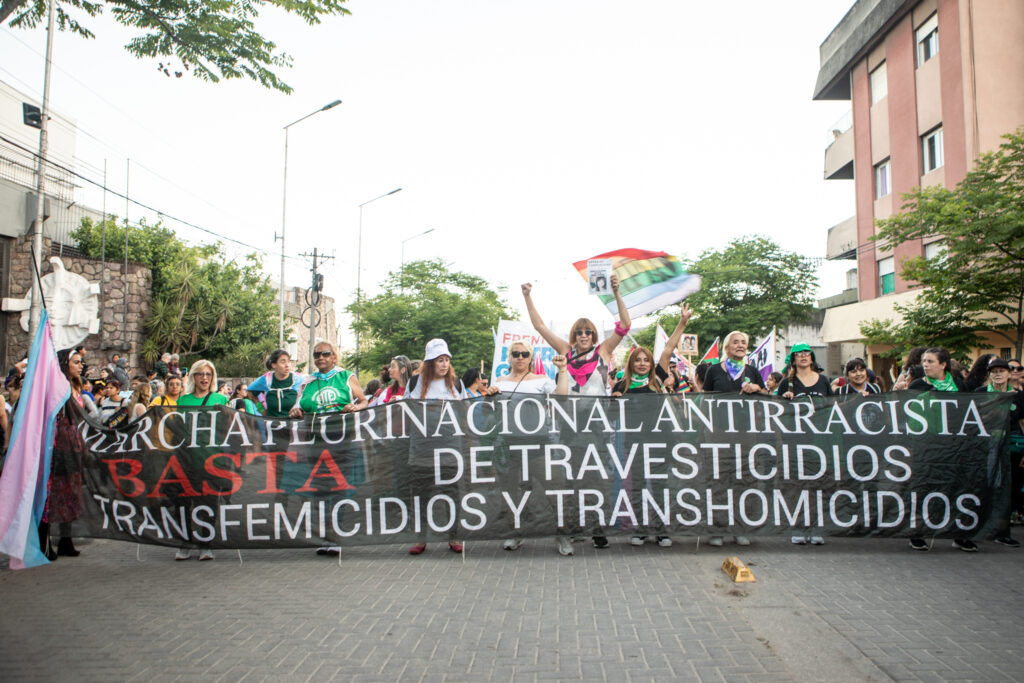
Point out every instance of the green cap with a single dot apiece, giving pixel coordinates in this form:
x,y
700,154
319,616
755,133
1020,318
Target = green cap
x,y
797,348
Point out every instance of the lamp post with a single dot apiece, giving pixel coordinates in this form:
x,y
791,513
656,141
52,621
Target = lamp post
x,y
284,216
401,276
359,265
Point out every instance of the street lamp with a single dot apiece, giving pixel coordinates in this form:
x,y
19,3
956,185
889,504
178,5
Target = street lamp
x,y
359,264
401,276
284,216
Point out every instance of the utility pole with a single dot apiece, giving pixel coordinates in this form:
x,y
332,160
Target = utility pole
x,y
313,297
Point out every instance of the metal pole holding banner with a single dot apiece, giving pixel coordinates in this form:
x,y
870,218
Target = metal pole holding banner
x,y
35,310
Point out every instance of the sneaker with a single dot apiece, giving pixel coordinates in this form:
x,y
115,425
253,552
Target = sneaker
x,y
637,540
716,541
798,540
742,540
919,544
329,550
418,549
206,555
600,542
664,542
817,540
455,546
965,544
1007,541
512,544
182,554
564,545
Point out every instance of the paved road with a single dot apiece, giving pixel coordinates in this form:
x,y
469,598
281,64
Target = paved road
x,y
855,609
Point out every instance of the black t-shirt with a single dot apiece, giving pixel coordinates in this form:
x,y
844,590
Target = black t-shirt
x,y
820,388
718,378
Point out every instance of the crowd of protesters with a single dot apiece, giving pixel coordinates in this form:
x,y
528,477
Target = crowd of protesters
x,y
585,366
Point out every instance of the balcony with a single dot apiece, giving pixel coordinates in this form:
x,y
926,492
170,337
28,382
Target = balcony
x,y
842,240
839,153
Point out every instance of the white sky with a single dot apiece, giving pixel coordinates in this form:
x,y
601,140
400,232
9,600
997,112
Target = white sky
x,y
528,134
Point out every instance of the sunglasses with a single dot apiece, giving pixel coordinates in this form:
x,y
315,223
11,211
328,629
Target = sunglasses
x,y
322,354
1016,368
519,354
588,333
202,374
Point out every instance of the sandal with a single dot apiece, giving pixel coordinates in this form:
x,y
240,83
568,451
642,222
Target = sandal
x,y
455,546
418,549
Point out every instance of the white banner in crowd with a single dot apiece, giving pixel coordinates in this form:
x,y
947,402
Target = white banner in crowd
x,y
512,331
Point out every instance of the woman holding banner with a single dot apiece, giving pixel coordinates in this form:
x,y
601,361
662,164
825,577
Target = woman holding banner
x,y
587,362
937,377
330,389
521,380
804,379
436,381
734,374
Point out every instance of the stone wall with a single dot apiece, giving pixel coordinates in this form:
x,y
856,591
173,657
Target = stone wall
x,y
124,304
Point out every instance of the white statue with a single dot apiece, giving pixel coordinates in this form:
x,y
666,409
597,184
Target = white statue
x,y
71,301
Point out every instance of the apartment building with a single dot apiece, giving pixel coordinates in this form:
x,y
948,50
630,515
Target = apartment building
x,y
932,84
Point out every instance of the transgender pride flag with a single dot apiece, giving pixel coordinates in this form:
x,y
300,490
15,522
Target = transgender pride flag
x,y
648,280
23,485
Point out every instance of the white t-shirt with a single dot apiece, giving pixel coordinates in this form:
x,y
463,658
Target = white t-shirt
x,y
537,385
438,390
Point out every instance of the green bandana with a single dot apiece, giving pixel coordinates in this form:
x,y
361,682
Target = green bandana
x,y
945,384
637,381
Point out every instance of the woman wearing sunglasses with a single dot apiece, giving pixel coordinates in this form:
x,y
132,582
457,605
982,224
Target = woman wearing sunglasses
x,y
587,360
329,388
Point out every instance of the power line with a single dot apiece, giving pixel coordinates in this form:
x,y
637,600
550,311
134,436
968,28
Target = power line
x,y
159,212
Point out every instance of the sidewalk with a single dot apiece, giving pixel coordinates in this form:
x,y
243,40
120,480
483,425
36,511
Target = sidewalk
x,y
854,609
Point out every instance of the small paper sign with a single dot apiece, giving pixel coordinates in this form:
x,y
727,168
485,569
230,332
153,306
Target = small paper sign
x,y
599,275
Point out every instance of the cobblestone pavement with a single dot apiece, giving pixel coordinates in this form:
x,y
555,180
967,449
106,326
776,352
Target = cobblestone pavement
x,y
854,609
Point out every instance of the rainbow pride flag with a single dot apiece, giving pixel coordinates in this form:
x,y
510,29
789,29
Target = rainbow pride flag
x,y
648,280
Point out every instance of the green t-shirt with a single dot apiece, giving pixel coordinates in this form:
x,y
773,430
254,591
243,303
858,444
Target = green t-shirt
x,y
282,396
326,395
212,399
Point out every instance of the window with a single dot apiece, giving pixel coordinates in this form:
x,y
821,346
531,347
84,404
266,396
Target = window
x,y
879,84
882,179
935,250
887,275
928,40
931,147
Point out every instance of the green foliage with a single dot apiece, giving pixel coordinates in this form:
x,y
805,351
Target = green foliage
x,y
203,304
978,281
924,325
751,285
457,307
213,39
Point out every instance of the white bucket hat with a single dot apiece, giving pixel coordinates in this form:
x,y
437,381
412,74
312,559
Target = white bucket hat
x,y
436,348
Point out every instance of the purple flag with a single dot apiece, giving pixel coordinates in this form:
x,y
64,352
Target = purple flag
x,y
763,357
23,485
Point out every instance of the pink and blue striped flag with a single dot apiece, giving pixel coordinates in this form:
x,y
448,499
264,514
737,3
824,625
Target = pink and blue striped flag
x,y
23,485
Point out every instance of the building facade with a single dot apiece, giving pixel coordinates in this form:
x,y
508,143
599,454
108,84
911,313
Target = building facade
x,y
297,340
932,84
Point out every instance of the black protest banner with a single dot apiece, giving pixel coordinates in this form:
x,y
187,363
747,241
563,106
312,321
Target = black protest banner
x,y
532,466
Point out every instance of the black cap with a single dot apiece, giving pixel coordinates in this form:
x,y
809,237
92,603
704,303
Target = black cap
x,y
998,363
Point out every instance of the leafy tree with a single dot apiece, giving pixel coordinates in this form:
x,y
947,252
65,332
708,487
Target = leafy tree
x,y
949,328
435,302
976,283
750,285
213,39
203,304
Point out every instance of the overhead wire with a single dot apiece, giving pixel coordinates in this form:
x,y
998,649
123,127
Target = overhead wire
x,y
159,212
